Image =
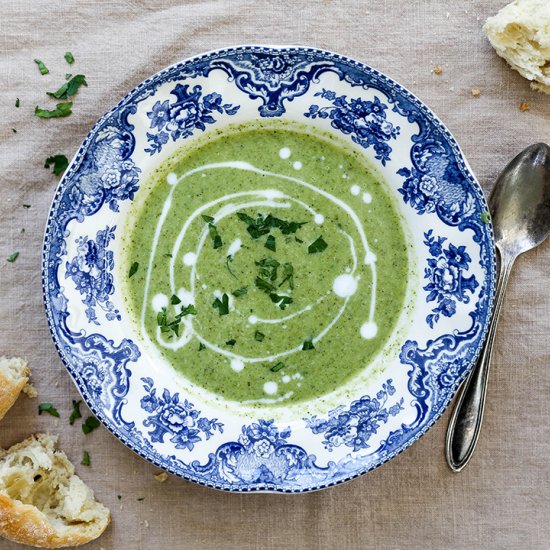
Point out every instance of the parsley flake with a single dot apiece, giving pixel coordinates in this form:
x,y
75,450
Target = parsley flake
x,y
76,412
213,232
262,225
277,367
86,459
318,245
41,67
133,269
17,102
270,243
288,275
264,285
231,342
222,305
61,110
90,424
485,217
228,261
59,162
14,130
167,325
268,268
240,292
259,336
12,257
69,88
26,205
308,344
69,58
49,408
281,301
201,346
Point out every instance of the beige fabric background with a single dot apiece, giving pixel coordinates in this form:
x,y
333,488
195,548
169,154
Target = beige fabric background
x,y
502,500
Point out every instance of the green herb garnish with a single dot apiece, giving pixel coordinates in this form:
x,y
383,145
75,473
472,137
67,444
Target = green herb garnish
x,y
49,408
281,301
201,346
231,342
264,285
298,240
26,205
167,325
268,268
14,130
277,367
485,217
12,257
133,269
76,412
308,344
174,300
69,88
240,292
318,245
222,305
228,261
86,459
59,162
90,424
270,243
259,336
288,275
17,102
213,231
41,67
68,75
69,58
262,225
61,110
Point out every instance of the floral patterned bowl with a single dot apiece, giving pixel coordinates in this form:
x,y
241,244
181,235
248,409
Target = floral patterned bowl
x,y
148,406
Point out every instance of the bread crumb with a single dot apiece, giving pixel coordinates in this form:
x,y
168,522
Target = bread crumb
x,y
162,476
476,92
29,390
524,106
438,70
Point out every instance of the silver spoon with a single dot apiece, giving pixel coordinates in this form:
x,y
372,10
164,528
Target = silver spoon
x,y
520,212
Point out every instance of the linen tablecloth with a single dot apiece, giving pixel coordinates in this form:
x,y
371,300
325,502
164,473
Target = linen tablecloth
x,y
502,499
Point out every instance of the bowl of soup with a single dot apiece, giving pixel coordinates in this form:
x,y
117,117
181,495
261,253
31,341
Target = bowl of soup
x,y
268,269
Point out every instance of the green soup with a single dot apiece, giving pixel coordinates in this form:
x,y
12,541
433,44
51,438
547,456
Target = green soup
x,y
269,264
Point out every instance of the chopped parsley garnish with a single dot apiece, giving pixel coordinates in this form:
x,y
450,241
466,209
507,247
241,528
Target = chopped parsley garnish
x,y
201,346
213,231
69,88
231,342
76,412
264,285
69,58
167,325
41,67
262,225
288,275
17,102
318,245
298,240
59,162
222,305
259,336
485,217
281,301
90,424
12,257
240,292
26,205
68,75
268,268
308,344
228,261
270,243
133,269
61,110
86,459
49,408
14,130
277,367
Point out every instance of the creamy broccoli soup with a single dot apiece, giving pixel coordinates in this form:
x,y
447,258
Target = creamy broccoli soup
x,y
266,265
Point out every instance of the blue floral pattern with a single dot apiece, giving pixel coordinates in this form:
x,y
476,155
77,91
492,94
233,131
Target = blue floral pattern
x,y
354,426
262,454
365,121
179,420
180,118
447,283
91,270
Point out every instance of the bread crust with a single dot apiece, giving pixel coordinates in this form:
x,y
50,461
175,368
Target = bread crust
x,y
9,392
26,524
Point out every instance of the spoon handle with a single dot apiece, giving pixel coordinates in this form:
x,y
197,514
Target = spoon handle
x,y
465,424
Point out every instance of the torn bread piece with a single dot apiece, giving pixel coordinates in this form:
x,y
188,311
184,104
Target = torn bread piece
x,y
14,376
42,502
520,33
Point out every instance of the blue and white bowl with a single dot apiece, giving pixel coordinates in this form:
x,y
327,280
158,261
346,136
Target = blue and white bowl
x,y
154,410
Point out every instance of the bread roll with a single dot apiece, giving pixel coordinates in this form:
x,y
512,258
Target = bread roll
x,y
14,375
520,33
42,502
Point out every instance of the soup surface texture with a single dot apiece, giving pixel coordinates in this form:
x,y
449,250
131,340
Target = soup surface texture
x,y
269,265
